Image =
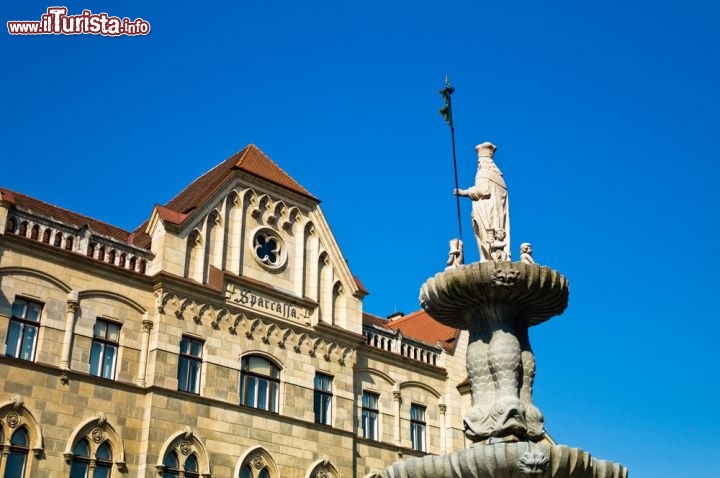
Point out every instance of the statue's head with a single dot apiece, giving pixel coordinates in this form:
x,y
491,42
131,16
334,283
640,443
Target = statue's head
x,y
500,234
526,248
485,150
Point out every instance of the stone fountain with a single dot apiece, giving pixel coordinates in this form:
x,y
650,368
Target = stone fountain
x,y
497,300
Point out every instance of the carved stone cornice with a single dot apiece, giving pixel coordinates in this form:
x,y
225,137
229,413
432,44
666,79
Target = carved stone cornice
x,y
265,330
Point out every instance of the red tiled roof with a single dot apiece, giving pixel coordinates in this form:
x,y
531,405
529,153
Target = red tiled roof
x,y
360,286
249,159
419,325
373,320
35,206
170,215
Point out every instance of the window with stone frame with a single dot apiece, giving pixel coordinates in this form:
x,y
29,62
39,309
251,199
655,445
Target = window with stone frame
x,y
15,454
184,457
269,248
96,465
259,383
417,427
20,434
23,330
322,402
95,451
104,350
257,464
370,415
190,365
186,467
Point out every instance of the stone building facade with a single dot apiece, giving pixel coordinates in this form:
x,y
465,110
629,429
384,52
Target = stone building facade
x,y
224,337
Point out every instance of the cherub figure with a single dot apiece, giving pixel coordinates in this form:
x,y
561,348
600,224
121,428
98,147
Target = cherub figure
x,y
526,253
497,246
455,256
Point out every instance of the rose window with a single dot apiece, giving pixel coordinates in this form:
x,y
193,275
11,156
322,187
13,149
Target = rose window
x,y
269,249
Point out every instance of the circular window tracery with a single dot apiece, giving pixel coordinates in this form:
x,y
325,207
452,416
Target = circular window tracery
x,y
269,250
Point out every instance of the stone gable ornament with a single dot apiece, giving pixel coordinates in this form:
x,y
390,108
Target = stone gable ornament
x,y
497,301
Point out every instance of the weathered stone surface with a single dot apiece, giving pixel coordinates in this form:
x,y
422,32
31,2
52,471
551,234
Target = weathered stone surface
x,y
536,293
497,302
509,460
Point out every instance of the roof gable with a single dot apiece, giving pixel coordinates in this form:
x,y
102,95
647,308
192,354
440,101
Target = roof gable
x,y
250,159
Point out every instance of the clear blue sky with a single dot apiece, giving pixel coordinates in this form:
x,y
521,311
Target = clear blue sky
x,y
605,115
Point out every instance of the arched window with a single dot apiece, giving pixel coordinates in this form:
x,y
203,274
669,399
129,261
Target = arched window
x,y
81,460
247,472
35,232
259,383
183,456
19,434
46,236
256,463
91,249
85,466
143,265
17,458
103,461
121,261
10,225
111,256
133,260
69,243
23,229
94,449
101,253
58,240
173,467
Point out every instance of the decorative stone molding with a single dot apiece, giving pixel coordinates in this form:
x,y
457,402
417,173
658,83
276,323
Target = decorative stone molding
x,y
486,461
12,419
265,330
101,418
97,435
258,462
17,402
71,306
533,463
185,447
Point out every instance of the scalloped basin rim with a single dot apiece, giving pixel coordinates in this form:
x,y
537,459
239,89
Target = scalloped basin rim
x,y
536,292
510,460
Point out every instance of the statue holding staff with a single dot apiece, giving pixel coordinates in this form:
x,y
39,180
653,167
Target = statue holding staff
x,y
490,205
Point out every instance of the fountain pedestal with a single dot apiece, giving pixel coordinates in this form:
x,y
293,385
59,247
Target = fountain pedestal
x,y
497,302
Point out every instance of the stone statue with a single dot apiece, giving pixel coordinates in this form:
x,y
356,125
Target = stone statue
x,y
490,202
497,301
526,253
498,246
455,256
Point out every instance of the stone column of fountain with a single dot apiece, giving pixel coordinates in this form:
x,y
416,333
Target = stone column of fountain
x,y
497,301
